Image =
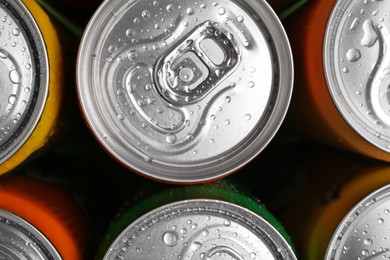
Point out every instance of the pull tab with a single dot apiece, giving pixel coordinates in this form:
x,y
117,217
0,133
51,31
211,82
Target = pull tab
x,y
195,67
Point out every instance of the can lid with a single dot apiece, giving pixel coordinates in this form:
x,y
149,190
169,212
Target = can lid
x,y
184,91
364,231
356,62
20,240
23,76
200,229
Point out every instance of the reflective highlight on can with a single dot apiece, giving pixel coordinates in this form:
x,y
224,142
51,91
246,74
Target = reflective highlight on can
x,y
184,91
31,73
203,224
19,239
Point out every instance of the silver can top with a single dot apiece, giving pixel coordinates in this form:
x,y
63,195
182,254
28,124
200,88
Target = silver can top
x,y
364,232
357,67
184,91
23,76
20,240
200,229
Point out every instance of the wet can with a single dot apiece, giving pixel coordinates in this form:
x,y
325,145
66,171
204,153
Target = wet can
x,y
337,206
341,96
184,91
32,79
41,220
196,222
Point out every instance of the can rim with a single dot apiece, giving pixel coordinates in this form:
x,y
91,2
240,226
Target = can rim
x,y
363,128
221,167
40,95
254,222
347,222
26,228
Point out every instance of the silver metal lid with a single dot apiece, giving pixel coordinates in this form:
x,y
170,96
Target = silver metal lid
x,y
23,76
19,240
364,232
200,229
357,59
184,91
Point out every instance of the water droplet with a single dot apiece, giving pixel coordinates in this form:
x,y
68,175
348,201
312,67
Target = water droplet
x,y
251,84
28,66
370,36
132,55
365,252
145,14
16,31
136,20
170,138
205,233
345,69
248,117
190,11
12,99
130,32
368,242
353,55
170,8
14,76
120,116
112,48
227,122
227,223
195,246
221,11
381,221
240,19
253,255
183,231
170,238
3,54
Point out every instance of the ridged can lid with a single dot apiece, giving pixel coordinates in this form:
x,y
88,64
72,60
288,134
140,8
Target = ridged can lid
x,y
356,62
364,231
184,91
20,240
200,229
23,74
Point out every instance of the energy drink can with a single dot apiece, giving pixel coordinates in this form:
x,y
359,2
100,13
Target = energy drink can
x,y
337,207
342,92
196,222
184,91
31,71
40,220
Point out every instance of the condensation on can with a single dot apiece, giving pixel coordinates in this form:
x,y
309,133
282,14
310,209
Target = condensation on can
x,y
363,231
199,229
338,100
183,91
31,73
18,239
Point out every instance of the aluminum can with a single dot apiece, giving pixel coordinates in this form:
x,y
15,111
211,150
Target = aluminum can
x,y
41,220
340,97
184,91
32,82
196,222
336,206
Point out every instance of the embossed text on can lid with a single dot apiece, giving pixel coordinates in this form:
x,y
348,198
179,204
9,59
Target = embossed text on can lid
x,y
23,75
184,91
20,240
357,67
364,231
200,229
